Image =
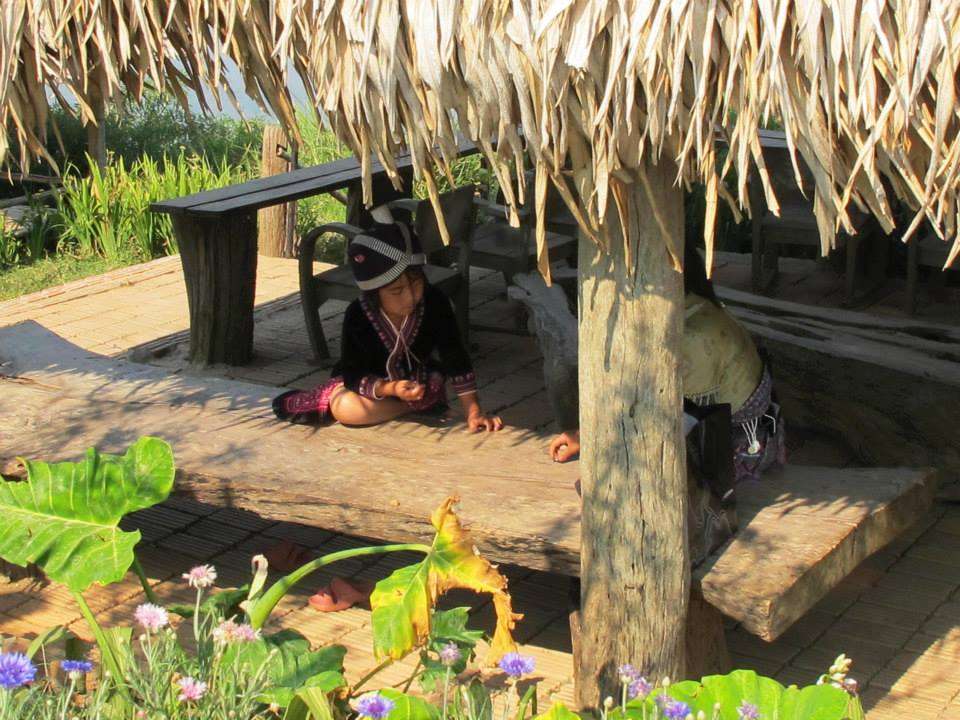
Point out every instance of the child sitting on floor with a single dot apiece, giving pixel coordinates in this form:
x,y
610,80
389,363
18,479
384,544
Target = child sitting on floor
x,y
399,346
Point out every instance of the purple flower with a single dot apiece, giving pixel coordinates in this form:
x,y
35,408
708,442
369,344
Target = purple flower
x,y
515,665
16,670
374,706
75,668
191,689
202,576
676,710
151,617
450,654
851,686
748,711
628,673
639,688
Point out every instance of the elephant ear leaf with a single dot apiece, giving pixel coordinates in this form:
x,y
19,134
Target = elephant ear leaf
x,y
402,602
64,517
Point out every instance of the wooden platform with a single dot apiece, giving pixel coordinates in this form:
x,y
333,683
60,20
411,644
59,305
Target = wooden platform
x,y
801,533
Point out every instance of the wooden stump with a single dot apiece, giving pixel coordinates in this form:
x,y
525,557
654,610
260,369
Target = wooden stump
x,y
635,569
219,257
277,222
706,643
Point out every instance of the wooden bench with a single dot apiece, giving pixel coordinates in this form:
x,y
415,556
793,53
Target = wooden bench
x,y
802,531
216,231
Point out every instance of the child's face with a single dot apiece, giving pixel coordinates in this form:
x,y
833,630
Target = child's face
x,y
402,295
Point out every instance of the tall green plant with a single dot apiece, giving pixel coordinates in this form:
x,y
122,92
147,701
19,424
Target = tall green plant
x,y
107,213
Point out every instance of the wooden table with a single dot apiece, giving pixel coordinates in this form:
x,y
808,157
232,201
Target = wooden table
x,y
216,231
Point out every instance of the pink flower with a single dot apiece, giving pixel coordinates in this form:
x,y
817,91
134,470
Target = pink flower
x,y
191,689
228,631
151,617
202,576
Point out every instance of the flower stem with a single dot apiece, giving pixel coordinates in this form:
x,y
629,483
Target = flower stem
x,y
145,583
260,612
66,700
446,687
409,680
366,678
196,619
106,649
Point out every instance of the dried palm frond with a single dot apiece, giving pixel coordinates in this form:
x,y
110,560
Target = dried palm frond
x,y
865,89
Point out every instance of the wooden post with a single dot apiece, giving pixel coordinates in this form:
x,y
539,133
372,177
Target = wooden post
x,y
277,222
97,131
219,257
634,558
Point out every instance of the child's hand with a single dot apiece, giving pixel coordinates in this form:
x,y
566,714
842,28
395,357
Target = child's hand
x,y
478,422
565,446
408,390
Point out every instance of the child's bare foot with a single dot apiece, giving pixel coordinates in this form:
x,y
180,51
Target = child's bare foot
x,y
341,594
286,556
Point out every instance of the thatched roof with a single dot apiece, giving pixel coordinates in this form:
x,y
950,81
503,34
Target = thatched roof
x,y
865,89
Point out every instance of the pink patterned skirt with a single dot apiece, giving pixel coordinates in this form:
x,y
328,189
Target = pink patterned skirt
x,y
314,405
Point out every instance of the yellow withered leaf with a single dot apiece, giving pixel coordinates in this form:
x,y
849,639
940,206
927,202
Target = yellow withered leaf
x,y
402,602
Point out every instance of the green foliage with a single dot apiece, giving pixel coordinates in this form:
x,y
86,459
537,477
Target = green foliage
x,y
289,665
65,516
50,272
107,213
447,626
154,127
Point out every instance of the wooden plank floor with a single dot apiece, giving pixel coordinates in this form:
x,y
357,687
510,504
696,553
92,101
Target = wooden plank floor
x,y
896,615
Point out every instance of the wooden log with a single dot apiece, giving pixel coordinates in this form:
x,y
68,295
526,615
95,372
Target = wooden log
x,y
97,130
275,223
635,570
801,532
219,257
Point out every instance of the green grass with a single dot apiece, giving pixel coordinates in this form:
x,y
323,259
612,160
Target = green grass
x,y
52,271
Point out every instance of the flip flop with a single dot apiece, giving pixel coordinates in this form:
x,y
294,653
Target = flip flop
x,y
341,594
286,556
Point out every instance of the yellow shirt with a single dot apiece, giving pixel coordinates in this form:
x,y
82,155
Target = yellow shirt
x,y
720,363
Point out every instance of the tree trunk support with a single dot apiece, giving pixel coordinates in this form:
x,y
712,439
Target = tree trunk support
x,y
219,257
277,222
635,571
706,643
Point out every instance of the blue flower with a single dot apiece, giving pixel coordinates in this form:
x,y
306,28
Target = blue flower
x,y
639,688
450,654
516,665
676,710
16,670
748,711
78,667
374,706
628,673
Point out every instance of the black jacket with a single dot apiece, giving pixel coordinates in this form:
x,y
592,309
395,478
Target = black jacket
x,y
431,343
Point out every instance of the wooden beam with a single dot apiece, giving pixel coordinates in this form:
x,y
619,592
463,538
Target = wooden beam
x,y
635,574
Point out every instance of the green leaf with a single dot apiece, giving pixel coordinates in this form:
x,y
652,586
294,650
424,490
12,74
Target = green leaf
x,y
481,705
401,605
224,604
291,665
316,701
408,707
54,634
297,710
447,626
65,516
451,626
559,711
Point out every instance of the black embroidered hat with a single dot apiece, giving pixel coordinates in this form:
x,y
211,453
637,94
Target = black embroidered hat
x,y
382,253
